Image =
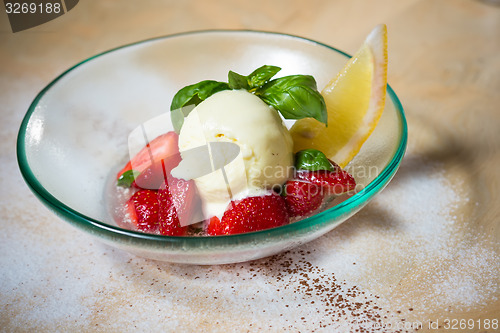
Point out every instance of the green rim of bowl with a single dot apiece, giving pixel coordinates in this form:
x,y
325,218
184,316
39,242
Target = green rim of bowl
x,y
108,231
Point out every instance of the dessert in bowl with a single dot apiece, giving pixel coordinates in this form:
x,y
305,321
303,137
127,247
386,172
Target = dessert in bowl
x,y
74,138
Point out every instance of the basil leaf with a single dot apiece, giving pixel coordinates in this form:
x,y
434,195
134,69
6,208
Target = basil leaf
x,y
177,116
313,160
237,81
295,97
196,93
127,178
256,79
261,75
188,97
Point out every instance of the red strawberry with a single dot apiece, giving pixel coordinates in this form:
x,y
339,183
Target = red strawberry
x,y
151,178
302,198
251,214
176,198
336,182
154,175
142,209
158,149
214,226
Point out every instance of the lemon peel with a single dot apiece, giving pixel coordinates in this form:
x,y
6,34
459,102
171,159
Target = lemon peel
x,y
355,101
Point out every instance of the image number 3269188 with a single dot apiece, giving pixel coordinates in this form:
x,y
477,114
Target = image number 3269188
x,y
24,15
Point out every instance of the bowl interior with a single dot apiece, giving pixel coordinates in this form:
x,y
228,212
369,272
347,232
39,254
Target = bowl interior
x,y
76,131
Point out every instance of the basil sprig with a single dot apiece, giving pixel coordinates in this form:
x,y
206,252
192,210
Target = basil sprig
x,y
312,160
294,96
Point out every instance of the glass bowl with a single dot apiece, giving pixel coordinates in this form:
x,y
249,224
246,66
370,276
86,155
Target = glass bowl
x,y
75,133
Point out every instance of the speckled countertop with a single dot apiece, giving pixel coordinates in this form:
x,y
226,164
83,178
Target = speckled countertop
x,y
423,254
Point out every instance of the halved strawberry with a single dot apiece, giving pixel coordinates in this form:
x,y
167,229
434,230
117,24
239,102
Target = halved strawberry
x,y
142,209
176,199
151,178
251,214
162,147
302,198
335,182
214,226
154,175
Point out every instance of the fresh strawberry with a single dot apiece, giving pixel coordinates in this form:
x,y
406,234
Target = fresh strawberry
x,y
151,178
214,226
158,149
176,198
302,198
155,174
251,214
183,194
142,209
335,182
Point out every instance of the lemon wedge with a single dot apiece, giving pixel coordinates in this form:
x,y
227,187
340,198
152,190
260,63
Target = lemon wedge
x,y
355,100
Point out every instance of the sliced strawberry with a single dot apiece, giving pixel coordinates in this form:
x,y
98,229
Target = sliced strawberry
x,y
158,149
251,214
176,198
168,218
214,226
154,175
336,182
183,197
151,178
142,209
302,198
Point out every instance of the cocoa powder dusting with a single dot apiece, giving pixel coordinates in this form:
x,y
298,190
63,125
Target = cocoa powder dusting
x,y
338,306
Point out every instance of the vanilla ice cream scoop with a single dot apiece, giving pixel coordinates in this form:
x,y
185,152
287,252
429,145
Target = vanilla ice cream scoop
x,y
264,158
